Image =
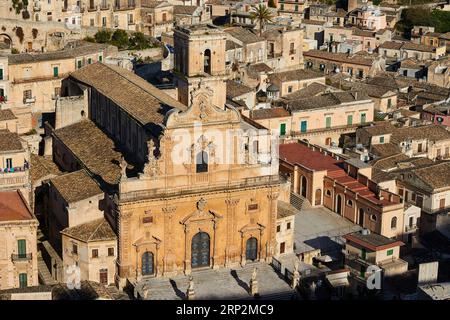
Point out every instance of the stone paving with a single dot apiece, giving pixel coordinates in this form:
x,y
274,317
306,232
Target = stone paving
x,y
227,284
318,228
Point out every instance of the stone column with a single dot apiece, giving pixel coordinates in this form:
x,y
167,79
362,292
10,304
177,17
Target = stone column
x,y
231,215
272,196
187,251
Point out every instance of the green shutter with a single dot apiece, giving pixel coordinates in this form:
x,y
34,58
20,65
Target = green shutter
x,y
1,74
390,252
23,281
282,129
100,58
55,71
363,254
303,126
381,139
328,122
349,120
363,118
22,247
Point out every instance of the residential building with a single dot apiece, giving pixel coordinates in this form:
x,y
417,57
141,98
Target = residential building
x,y
18,242
285,228
284,48
429,141
322,119
35,79
364,249
15,164
404,50
74,199
357,66
92,246
343,186
438,73
437,114
294,80
367,17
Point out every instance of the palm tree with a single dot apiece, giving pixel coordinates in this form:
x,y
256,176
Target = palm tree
x,y
262,14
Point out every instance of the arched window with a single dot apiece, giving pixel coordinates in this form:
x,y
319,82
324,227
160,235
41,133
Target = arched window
x,y
394,223
328,193
373,217
201,162
350,203
207,61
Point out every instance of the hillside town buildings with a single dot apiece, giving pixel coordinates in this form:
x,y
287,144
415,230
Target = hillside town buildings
x,y
155,147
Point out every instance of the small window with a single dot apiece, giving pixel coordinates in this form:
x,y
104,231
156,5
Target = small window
x,y
394,223
373,217
253,206
328,193
390,252
94,253
147,220
288,226
278,228
110,252
74,248
350,203
381,139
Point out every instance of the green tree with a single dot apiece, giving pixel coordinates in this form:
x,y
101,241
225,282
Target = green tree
x,y
120,39
138,41
103,36
261,14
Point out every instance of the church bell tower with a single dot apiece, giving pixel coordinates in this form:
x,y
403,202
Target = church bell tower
x,y
200,60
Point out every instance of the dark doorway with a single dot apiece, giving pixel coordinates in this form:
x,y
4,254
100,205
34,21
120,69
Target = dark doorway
x,y
339,204
304,186
361,217
318,200
251,251
104,276
200,250
147,264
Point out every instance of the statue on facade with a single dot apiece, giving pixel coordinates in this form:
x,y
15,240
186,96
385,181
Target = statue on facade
x,y
123,168
151,167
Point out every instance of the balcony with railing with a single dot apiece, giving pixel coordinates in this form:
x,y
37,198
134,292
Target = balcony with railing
x,y
21,257
105,7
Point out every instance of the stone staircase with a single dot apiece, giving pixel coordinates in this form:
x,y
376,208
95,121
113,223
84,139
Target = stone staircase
x,y
45,276
299,202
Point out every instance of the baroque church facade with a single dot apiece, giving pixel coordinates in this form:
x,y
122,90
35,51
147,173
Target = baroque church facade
x,y
206,187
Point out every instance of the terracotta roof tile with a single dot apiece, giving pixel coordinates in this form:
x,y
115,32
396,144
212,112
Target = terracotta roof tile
x,y
134,95
76,186
93,148
96,230
13,207
10,141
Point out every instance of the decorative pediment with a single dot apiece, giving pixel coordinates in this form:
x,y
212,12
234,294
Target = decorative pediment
x,y
201,111
252,227
201,214
146,240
